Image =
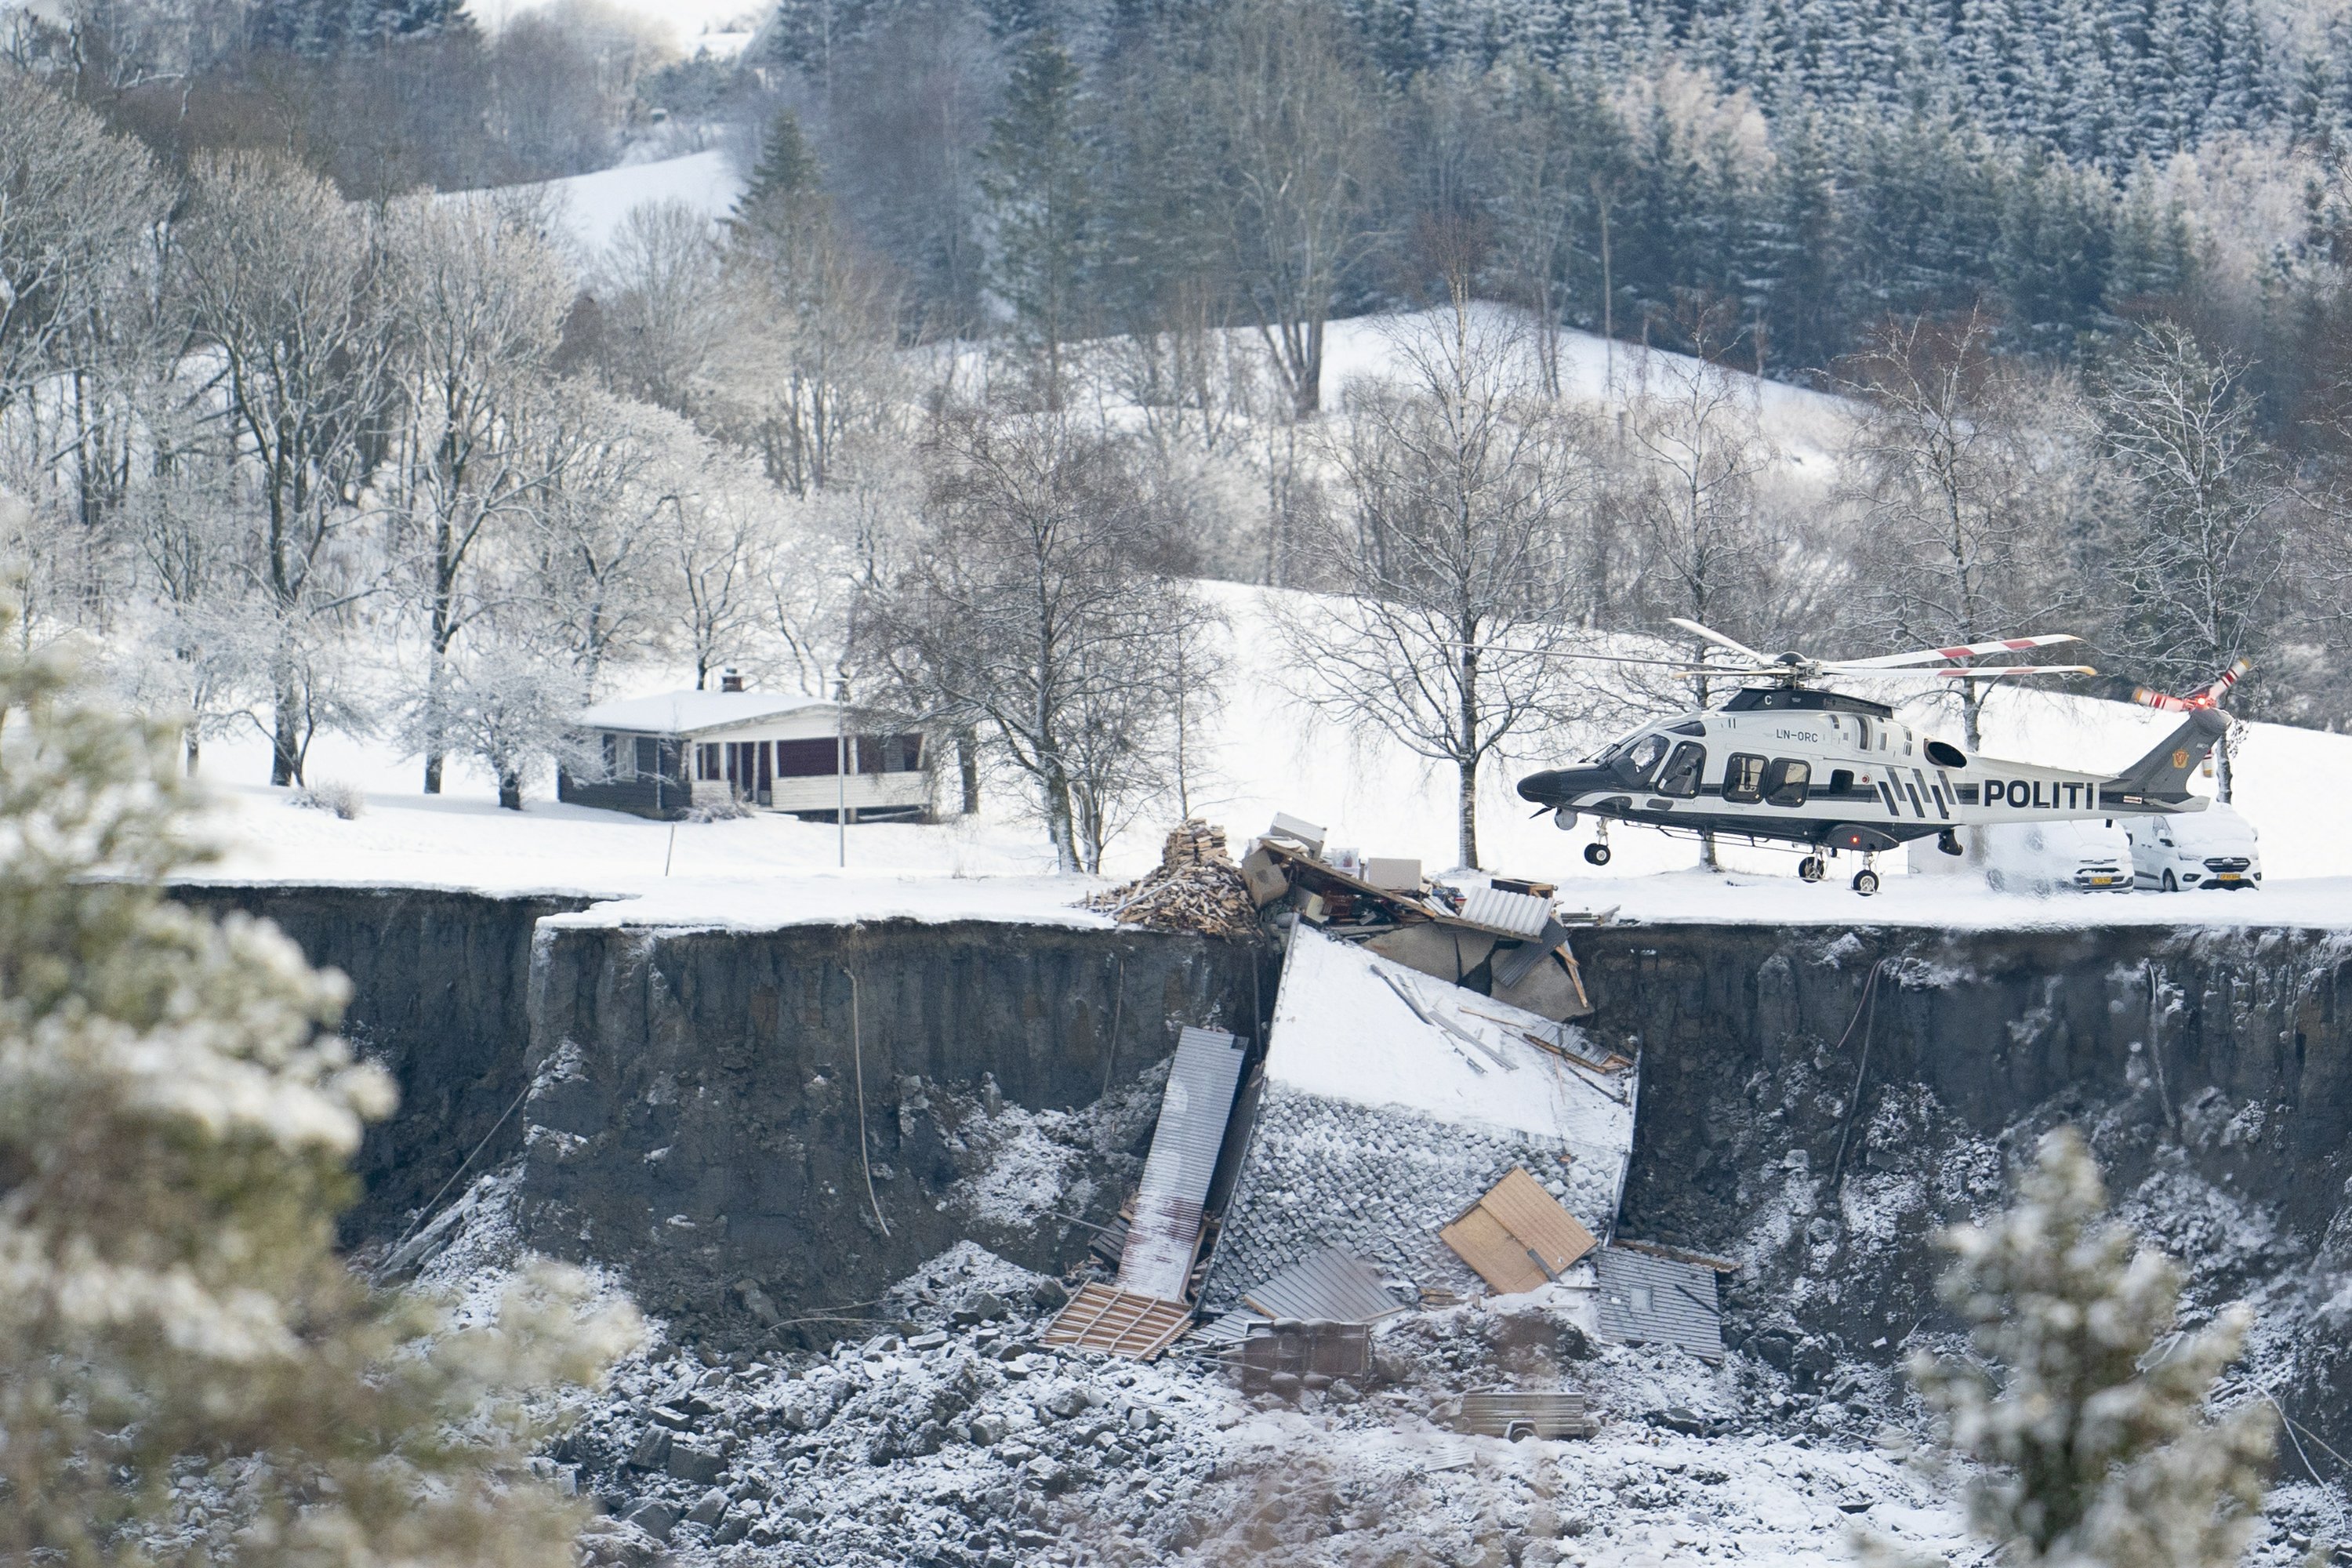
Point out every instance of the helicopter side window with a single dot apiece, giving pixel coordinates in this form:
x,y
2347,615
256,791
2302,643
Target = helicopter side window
x,y
1743,779
1785,781
1680,776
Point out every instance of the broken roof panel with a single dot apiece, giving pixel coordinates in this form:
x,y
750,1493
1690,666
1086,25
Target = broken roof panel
x,y
1647,1299
1521,914
1333,1285
1517,1237
1342,1029
1174,1187
1117,1323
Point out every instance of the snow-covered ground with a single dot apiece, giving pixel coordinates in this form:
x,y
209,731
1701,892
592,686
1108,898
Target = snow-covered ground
x,y
1263,752
590,207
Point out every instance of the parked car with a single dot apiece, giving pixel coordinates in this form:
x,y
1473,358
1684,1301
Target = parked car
x,y
2038,858
2214,847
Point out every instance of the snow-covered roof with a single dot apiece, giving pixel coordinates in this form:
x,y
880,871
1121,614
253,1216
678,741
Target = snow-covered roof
x,y
691,713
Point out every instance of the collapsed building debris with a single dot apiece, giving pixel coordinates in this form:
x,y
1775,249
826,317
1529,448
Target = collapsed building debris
x,y
1378,1124
1149,1307
1196,886
1656,1296
1287,1358
1517,1237
1497,936
1330,1285
1516,1413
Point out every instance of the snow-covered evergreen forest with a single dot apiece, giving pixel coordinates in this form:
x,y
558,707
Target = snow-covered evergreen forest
x,y
313,420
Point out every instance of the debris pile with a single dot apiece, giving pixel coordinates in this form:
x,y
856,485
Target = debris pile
x,y
1196,886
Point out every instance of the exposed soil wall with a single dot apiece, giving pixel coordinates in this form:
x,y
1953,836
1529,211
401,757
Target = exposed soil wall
x,y
692,1111
2211,1068
438,991
698,1096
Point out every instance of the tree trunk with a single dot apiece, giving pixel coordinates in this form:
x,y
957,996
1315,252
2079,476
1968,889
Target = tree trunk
x,y
286,747
968,770
510,790
1466,813
1060,824
194,748
2222,782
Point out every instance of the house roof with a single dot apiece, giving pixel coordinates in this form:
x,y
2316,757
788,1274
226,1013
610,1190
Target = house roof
x,y
691,713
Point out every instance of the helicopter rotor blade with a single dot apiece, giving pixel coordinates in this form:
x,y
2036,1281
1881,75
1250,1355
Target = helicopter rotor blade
x,y
1717,637
1970,671
1571,653
1966,650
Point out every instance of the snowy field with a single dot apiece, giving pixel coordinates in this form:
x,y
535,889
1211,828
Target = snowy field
x,y
1265,752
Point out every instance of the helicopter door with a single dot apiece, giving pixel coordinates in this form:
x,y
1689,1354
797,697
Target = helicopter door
x,y
1680,776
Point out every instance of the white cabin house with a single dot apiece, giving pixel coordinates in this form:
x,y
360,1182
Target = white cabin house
x,y
663,756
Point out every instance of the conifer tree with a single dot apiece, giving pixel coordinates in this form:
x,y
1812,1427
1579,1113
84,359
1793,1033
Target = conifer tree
x,y
175,1124
1038,175
2084,1404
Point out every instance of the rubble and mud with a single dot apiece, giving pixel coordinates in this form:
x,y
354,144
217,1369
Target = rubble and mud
x,y
938,1431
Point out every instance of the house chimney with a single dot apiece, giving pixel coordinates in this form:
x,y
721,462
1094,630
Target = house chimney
x,y
731,679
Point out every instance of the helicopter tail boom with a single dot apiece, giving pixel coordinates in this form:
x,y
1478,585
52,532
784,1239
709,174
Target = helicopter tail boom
x,y
2159,781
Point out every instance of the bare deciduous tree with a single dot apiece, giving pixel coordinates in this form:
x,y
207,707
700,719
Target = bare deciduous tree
x,y
1450,555
1044,605
1961,474
2202,553
479,298
1300,132
285,294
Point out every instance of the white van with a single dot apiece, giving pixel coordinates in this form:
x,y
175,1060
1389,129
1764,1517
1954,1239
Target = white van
x,y
2214,847
2091,855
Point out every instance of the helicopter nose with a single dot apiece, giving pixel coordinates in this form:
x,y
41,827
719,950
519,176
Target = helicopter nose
x,y
1558,785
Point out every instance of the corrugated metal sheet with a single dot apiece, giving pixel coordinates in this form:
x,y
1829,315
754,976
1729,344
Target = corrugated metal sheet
x,y
1512,967
1332,1286
1645,1299
1521,914
1230,1330
1518,1236
1168,1198
1117,1323
1530,1412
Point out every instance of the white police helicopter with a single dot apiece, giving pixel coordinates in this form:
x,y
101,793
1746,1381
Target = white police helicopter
x,y
1788,761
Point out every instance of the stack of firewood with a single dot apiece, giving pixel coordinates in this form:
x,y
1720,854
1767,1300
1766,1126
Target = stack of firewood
x,y
1196,888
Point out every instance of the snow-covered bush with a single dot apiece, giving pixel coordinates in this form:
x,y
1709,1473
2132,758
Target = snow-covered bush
x,y
2083,1405
187,1370
342,797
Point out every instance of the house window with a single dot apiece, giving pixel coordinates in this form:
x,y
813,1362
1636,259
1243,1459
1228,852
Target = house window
x,y
1743,779
612,755
1785,781
707,762
1680,776
806,759
648,757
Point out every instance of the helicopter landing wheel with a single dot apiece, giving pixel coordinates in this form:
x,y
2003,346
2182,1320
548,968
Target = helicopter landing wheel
x,y
1865,881
1810,868
1596,854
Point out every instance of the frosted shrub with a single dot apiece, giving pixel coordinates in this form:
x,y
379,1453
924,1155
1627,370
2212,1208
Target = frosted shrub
x,y
175,1118
340,797
2095,1446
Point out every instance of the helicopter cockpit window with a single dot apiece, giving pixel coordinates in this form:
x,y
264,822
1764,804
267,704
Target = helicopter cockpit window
x,y
1785,781
1640,757
1680,776
1743,779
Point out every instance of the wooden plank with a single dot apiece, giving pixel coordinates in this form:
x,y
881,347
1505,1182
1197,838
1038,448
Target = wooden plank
x,y
1536,1218
1480,1240
1119,1322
